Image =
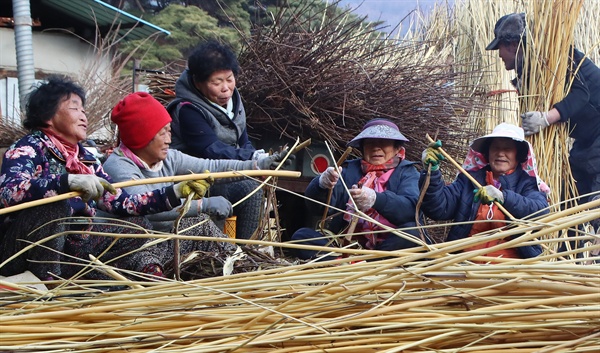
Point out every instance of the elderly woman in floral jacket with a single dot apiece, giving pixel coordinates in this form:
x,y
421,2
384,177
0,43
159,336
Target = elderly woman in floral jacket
x,y
50,161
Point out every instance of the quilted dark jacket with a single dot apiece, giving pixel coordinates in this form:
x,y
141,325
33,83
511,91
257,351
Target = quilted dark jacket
x,y
397,204
455,201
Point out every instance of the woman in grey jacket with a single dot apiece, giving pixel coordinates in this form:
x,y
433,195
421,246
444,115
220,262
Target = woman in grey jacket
x,y
144,152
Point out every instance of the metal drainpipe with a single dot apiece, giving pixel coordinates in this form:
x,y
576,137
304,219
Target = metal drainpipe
x,y
24,49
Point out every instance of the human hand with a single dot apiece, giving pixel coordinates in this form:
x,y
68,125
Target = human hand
x,y
488,194
364,197
259,154
198,187
89,185
329,177
432,155
534,122
216,206
273,160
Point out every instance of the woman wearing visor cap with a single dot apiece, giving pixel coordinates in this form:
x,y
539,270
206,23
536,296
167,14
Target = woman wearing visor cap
x,y
382,184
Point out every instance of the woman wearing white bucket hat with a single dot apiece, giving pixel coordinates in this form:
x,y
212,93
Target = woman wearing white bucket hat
x,y
503,162
382,184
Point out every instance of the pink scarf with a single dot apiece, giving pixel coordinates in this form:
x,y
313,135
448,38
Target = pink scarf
x,y
129,154
376,178
476,161
70,153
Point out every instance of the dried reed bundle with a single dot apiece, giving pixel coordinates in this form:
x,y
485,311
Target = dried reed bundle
x,y
549,38
410,301
587,30
469,27
476,21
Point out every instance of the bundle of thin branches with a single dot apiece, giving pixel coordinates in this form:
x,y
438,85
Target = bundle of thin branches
x,y
10,132
307,74
202,264
549,39
162,86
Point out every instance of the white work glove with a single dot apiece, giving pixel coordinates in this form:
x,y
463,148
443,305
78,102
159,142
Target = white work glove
x,y
329,177
89,185
259,154
534,122
185,188
216,206
488,194
273,160
364,198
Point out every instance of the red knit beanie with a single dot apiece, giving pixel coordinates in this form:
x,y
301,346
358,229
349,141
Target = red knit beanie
x,y
139,117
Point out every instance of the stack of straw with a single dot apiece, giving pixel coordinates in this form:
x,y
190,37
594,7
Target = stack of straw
x,y
407,301
553,26
549,38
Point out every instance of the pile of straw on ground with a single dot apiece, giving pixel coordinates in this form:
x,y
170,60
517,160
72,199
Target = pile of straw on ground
x,y
364,307
406,301
428,299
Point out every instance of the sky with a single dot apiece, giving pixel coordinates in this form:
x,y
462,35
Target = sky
x,y
390,11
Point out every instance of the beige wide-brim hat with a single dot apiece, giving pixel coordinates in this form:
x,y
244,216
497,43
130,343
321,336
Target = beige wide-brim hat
x,y
378,129
502,130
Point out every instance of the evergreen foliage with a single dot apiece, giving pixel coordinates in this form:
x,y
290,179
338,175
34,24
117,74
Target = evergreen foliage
x,y
191,22
188,26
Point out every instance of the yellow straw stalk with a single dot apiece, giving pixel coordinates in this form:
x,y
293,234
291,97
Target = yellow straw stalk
x,y
549,38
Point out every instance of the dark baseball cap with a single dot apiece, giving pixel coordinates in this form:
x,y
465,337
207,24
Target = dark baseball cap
x,y
509,28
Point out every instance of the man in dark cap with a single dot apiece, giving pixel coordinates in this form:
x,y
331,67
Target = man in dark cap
x,y
580,107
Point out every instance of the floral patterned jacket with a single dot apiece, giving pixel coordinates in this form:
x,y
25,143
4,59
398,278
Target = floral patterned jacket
x,y
33,169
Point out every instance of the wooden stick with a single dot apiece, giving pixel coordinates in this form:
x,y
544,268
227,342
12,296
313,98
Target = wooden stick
x,y
171,179
475,182
109,271
337,164
176,245
424,188
302,146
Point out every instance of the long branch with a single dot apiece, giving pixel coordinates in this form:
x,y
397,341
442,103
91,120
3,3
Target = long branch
x,y
171,179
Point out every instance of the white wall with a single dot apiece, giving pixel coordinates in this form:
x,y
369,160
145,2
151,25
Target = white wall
x,y
53,53
9,99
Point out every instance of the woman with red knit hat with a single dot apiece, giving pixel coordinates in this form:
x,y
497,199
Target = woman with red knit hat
x,y
145,134
50,160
